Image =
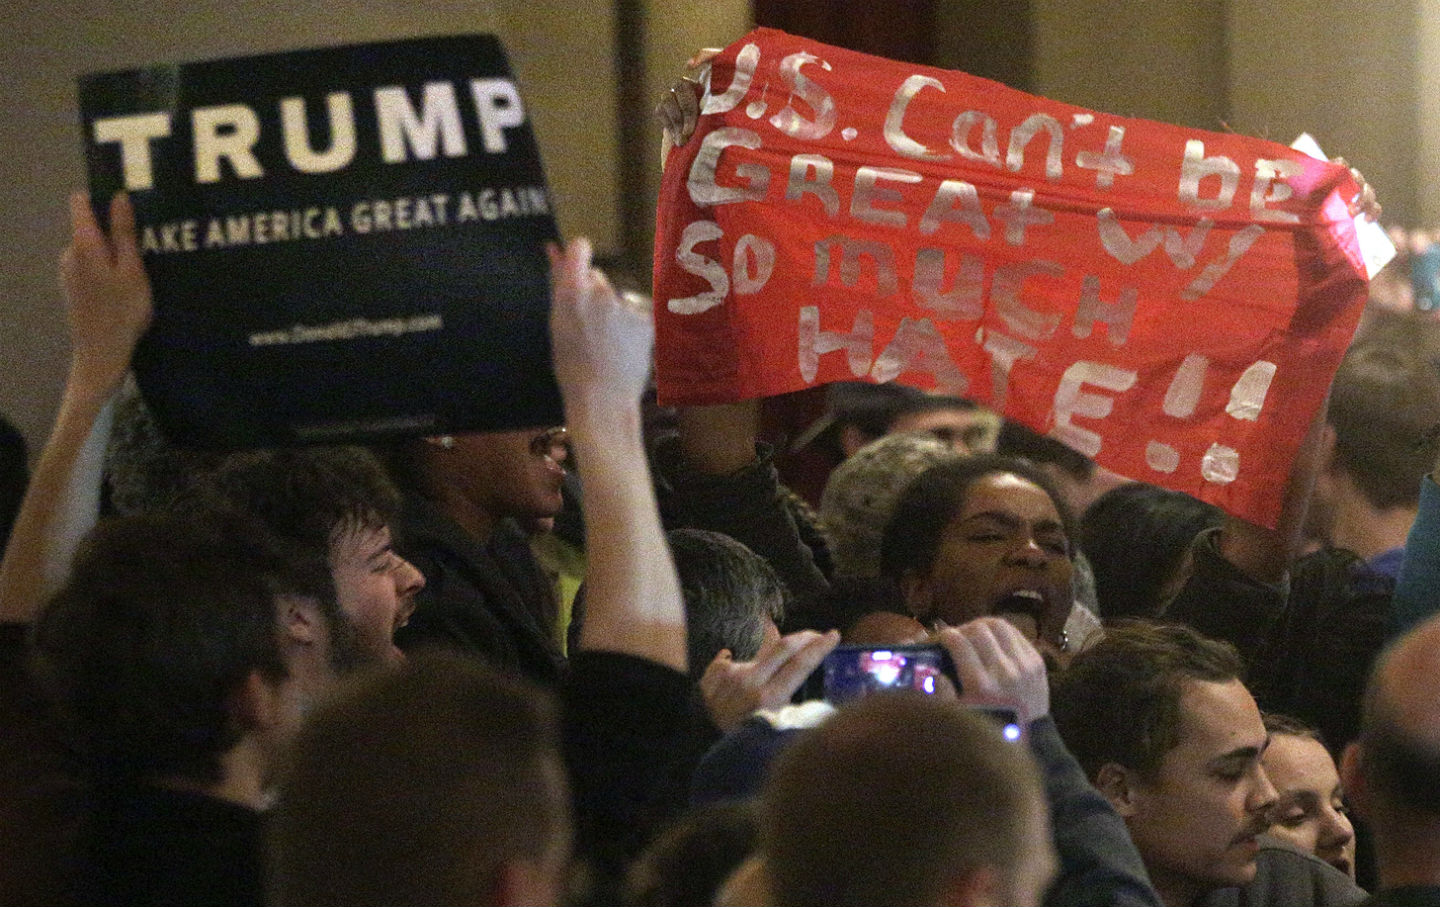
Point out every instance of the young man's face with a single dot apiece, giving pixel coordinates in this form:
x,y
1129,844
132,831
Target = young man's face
x,y
1195,822
967,430
376,590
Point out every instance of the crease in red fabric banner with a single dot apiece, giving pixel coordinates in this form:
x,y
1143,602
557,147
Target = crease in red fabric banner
x,y
1170,302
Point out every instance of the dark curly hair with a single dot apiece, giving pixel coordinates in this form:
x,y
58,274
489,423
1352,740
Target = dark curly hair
x,y
928,504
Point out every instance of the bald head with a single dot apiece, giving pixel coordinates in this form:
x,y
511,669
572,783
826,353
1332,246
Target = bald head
x,y
1400,739
1405,682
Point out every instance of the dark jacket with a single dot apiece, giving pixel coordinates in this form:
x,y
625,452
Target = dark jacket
x,y
1287,877
1307,647
491,600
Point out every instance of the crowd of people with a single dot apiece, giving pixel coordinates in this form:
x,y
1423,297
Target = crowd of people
x,y
570,665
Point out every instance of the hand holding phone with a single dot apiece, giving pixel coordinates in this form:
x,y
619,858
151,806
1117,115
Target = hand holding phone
x,y
854,671
733,690
998,667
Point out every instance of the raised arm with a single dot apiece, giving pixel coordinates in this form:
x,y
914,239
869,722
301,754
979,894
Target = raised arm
x,y
713,476
602,350
1238,588
1266,554
719,440
109,308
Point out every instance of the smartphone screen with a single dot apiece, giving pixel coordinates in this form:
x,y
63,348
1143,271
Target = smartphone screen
x,y
851,672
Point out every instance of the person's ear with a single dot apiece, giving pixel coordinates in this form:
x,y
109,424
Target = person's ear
x,y
1352,778
1329,462
1117,783
256,703
852,439
300,620
525,882
918,595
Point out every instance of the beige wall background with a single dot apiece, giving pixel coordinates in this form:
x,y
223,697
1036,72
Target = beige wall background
x,y
1348,74
1166,62
1363,77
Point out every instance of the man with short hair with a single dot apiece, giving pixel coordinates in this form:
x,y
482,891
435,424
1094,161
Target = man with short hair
x,y
1392,773
1166,730
179,657
171,661
489,783
1383,403
1309,628
486,782
733,599
335,502
885,808
904,799
860,413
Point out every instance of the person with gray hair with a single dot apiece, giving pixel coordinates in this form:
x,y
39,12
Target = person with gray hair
x,y
733,598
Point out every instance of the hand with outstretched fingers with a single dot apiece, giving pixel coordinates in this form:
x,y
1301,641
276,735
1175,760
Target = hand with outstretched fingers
x,y
734,690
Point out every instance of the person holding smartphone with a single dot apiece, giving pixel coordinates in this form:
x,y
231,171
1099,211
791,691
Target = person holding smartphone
x,y
994,665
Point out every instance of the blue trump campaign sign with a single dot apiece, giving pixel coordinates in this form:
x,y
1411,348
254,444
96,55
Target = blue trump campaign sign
x,y
344,243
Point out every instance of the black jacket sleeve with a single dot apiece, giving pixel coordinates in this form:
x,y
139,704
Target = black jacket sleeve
x,y
749,505
627,725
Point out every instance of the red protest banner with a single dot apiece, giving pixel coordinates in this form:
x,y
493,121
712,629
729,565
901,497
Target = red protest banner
x,y
1169,301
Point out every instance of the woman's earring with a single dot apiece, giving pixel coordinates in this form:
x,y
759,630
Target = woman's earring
x,y
447,442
